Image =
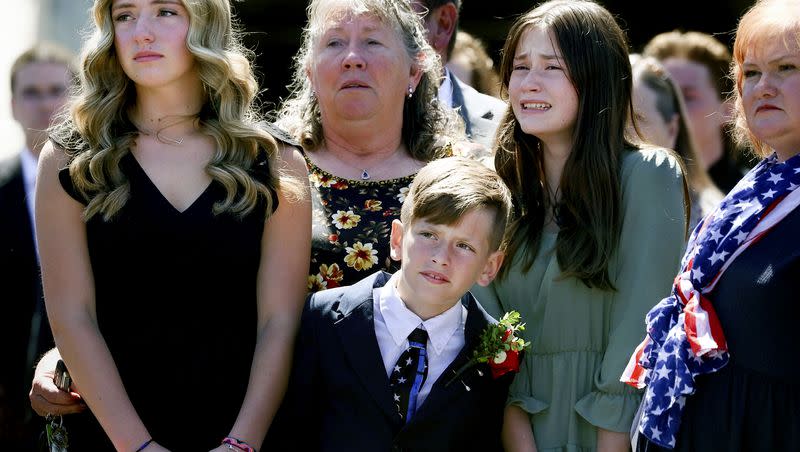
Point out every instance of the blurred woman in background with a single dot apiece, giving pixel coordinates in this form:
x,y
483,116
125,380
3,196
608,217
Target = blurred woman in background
x,y
660,118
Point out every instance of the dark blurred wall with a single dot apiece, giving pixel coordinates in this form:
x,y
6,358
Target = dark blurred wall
x,y
273,27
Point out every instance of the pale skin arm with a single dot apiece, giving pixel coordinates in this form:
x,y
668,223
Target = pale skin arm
x,y
285,254
69,294
517,432
608,441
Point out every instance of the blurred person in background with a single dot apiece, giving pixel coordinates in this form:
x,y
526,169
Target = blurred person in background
x,y
481,112
699,64
40,78
660,116
471,64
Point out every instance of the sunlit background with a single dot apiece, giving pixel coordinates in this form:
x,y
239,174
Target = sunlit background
x,y
273,31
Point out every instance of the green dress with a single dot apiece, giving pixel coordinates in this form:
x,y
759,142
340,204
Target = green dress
x,y
581,338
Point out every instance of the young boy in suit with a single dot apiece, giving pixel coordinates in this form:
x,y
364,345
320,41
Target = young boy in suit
x,y
375,366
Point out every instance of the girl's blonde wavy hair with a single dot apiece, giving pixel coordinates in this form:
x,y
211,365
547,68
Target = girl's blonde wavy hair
x,y
427,125
97,132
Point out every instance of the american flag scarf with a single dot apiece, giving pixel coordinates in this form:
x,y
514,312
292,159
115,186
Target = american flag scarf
x,y
684,337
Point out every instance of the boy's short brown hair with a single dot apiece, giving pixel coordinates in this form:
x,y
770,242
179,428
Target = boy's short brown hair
x,y
447,189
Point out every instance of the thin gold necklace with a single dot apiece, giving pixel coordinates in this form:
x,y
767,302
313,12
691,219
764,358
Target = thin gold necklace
x,y
365,175
164,139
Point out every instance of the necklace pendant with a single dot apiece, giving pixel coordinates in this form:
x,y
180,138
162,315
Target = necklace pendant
x,y
364,174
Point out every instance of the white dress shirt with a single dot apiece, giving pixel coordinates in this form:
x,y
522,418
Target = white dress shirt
x,y
446,90
394,322
29,164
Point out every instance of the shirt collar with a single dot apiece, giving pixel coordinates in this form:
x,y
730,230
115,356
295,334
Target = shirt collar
x,y
401,321
29,163
446,89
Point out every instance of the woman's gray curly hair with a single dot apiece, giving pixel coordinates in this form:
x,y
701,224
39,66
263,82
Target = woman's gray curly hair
x,y
427,125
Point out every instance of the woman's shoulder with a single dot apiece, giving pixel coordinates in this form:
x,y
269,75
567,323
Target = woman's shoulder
x,y
642,164
54,162
280,135
288,152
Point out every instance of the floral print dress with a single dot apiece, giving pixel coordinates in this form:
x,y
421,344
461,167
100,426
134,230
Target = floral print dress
x,y
351,225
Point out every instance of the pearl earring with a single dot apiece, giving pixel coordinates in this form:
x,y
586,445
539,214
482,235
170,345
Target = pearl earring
x,y
410,91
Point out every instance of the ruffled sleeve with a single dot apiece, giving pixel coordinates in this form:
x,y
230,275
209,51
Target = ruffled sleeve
x,y
651,243
613,412
519,393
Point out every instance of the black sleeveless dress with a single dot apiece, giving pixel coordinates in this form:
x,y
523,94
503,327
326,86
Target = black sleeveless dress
x,y
176,303
753,403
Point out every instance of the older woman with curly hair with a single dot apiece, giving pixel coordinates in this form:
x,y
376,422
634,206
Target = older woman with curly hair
x,y
173,231
364,108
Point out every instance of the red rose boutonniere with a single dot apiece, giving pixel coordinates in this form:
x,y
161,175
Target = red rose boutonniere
x,y
499,346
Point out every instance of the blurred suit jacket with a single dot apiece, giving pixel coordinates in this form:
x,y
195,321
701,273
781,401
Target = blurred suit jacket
x,y
20,299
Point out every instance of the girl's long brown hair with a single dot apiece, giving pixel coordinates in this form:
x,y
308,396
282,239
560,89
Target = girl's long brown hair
x,y
595,54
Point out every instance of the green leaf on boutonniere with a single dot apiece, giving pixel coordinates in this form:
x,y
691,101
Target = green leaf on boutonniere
x,y
499,346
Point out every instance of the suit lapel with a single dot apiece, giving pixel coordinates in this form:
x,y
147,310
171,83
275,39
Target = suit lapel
x,y
442,393
357,333
458,103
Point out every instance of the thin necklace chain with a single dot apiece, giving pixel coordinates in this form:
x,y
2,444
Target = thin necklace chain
x,y
555,204
165,139
365,175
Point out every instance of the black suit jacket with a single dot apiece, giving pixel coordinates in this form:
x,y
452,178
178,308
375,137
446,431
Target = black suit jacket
x,y
339,393
20,286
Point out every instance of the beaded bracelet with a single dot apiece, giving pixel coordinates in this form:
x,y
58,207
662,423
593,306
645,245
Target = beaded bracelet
x,y
239,444
144,445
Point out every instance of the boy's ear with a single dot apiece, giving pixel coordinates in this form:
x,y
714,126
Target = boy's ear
x,y
491,268
396,241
